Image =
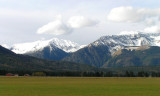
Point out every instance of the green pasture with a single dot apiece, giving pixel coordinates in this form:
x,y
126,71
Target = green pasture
x,y
70,86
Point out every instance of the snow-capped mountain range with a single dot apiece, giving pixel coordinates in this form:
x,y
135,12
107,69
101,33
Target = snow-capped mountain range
x,y
54,43
96,53
101,50
116,42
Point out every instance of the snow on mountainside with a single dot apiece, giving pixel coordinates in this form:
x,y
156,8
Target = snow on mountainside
x,y
5,46
65,45
115,42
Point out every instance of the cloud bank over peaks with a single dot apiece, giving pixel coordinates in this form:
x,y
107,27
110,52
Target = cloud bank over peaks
x,y
59,27
152,29
128,32
132,15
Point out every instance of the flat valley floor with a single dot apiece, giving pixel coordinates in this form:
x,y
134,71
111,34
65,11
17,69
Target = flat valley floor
x,y
78,86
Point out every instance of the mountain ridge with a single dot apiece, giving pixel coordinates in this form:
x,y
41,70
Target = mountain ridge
x,y
53,49
112,44
100,51
65,45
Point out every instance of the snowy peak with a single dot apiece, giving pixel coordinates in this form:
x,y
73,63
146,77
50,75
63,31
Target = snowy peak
x,y
65,45
5,46
22,48
115,42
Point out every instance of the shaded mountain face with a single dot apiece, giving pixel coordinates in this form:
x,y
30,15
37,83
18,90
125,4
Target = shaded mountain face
x,y
11,61
100,51
128,58
90,55
53,49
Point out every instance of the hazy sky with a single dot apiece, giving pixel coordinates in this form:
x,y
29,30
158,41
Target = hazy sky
x,y
81,21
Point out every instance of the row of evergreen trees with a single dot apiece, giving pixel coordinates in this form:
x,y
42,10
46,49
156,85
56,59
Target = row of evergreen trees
x,y
85,74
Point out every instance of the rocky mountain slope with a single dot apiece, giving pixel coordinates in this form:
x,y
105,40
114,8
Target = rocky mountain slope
x,y
149,56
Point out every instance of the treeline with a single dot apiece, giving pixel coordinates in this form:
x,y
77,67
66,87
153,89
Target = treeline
x,y
83,74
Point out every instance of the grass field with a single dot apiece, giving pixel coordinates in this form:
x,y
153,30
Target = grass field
x,y
56,86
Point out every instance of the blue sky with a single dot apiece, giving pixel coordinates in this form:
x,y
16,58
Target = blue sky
x,y
21,19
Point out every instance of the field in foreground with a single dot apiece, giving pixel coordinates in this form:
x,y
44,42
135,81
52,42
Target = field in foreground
x,y
61,86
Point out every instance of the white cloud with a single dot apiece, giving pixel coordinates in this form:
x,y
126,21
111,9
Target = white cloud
x,y
81,21
152,29
150,21
133,15
148,17
56,27
128,32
